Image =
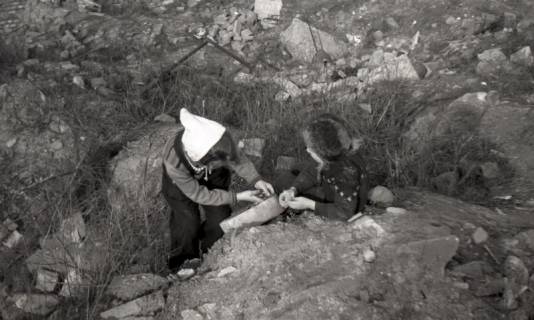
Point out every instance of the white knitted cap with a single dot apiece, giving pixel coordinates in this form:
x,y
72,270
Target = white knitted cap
x,y
200,134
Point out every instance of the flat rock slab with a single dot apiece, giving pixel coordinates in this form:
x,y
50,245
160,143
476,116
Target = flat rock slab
x,y
139,307
39,304
129,287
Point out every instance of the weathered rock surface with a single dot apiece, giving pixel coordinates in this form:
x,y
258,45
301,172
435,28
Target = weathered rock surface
x,y
39,304
311,268
299,39
129,287
137,169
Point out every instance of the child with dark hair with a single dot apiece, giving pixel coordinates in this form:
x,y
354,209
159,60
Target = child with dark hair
x,y
197,169
337,188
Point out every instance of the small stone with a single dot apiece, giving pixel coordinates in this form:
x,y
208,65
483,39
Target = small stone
x,y
164,118
461,285
381,196
226,271
14,238
193,3
488,288
3,232
525,24
282,96
98,82
46,281
247,35
10,224
490,170
40,304
209,310
268,9
395,210
510,20
366,107
191,314
252,147
285,163
369,256
378,35
11,142
186,273
473,270
450,20
516,281
78,80
225,38
72,285
480,236
492,55
523,57
56,145
73,228
391,24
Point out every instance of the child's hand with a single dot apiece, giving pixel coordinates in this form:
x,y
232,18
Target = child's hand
x,y
285,196
265,187
249,196
301,203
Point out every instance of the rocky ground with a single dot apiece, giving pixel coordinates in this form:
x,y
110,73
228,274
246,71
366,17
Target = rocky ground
x,y
89,95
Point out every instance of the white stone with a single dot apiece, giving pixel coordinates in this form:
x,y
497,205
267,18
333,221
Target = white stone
x,y
78,80
14,238
11,142
480,236
492,55
381,195
46,281
369,256
186,273
226,271
268,9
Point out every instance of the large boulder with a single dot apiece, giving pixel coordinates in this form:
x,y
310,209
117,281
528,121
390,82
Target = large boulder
x,y
137,169
304,42
390,266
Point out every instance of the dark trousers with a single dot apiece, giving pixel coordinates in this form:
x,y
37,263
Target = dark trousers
x,y
189,236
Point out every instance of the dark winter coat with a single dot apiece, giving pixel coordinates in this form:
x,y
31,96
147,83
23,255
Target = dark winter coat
x,y
344,183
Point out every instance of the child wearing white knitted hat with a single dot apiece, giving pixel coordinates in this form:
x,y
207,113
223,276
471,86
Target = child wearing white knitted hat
x,y
197,167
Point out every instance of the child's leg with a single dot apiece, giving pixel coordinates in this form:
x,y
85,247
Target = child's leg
x,y
184,224
218,179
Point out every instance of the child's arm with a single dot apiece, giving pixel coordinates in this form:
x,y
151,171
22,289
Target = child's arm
x,y
197,192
